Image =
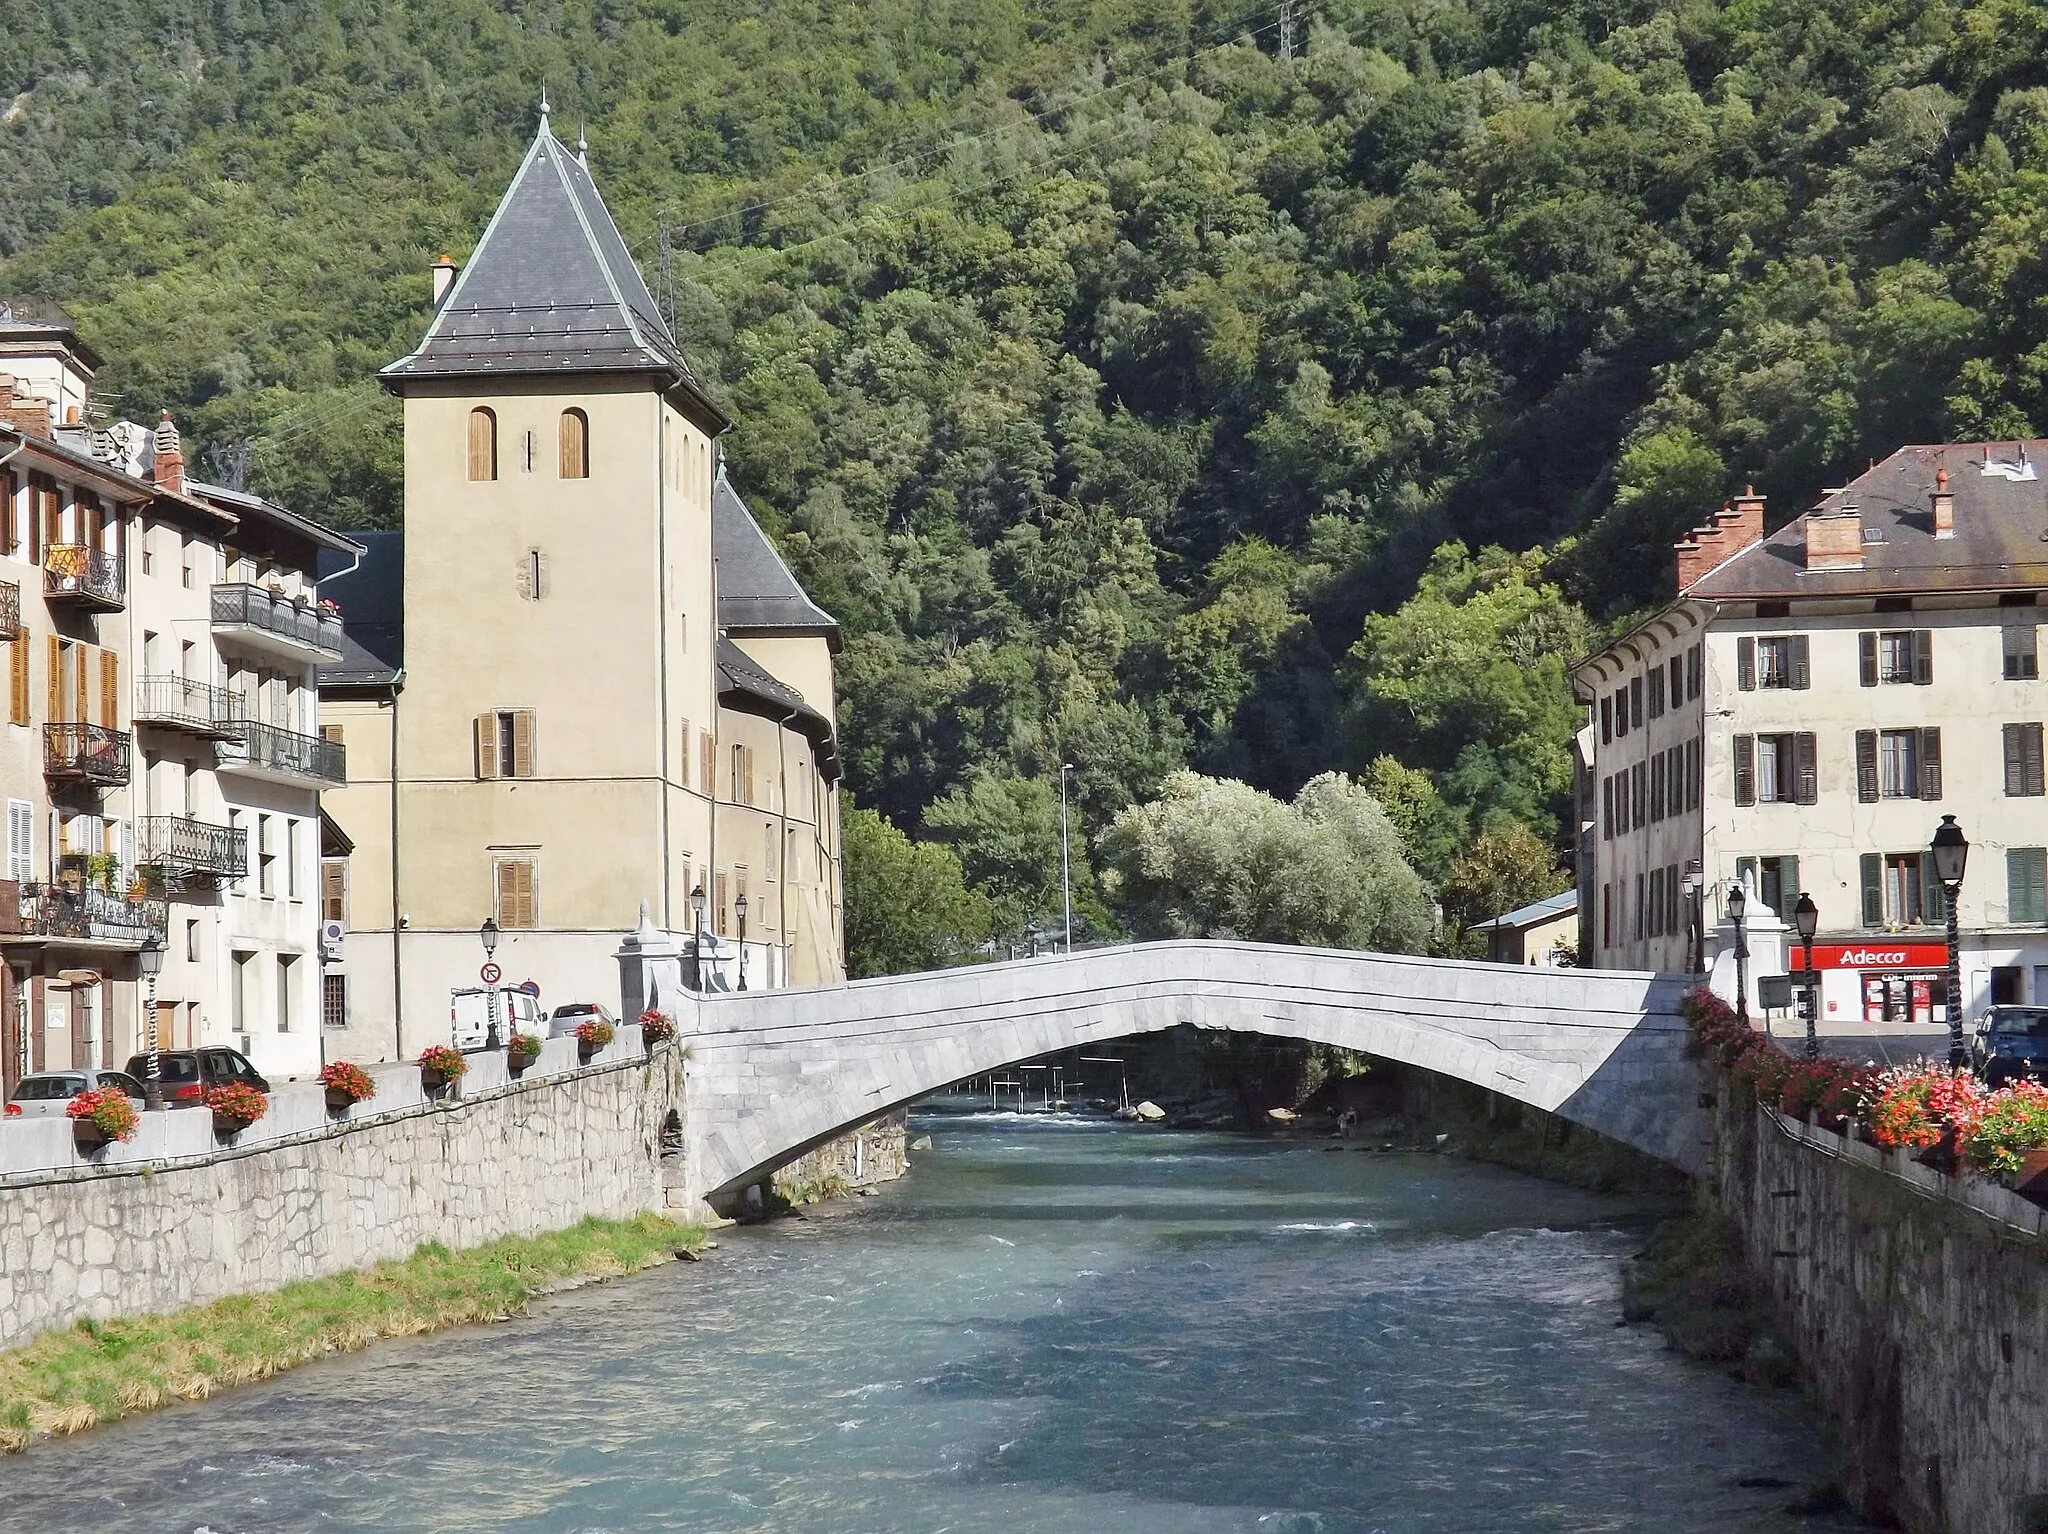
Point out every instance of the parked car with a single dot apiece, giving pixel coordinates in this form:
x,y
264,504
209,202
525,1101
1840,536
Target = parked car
x,y
572,1015
2012,1042
469,1015
188,1075
46,1093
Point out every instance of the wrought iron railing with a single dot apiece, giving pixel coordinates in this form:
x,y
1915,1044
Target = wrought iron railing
x,y
56,910
178,847
10,609
91,752
78,570
254,607
271,749
179,701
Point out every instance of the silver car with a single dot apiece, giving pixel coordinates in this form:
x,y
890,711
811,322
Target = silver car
x,y
45,1094
573,1015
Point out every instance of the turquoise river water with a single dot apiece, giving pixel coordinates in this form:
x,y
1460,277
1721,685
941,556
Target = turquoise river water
x,y
1049,1326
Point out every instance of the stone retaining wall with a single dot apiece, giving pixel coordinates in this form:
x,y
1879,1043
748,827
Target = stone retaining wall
x,y
131,1237
873,1153
1919,1308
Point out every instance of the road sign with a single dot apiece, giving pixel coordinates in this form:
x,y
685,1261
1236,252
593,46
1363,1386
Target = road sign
x,y
530,988
490,974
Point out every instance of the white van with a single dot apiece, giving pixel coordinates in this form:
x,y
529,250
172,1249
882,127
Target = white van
x,y
469,1016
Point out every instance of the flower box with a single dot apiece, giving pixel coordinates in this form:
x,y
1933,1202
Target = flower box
x,y
521,1052
235,1107
591,1037
88,1136
99,1116
2030,1182
346,1085
441,1065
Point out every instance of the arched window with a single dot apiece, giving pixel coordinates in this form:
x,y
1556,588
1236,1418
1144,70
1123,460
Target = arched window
x,y
483,444
575,445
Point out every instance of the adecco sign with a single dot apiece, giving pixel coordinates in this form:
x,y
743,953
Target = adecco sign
x,y
1878,955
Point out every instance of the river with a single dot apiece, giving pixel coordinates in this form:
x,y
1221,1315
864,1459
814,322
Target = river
x,y
1049,1326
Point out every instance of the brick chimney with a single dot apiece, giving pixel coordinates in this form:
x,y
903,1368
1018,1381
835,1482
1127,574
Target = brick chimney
x,y
444,277
1738,524
23,412
1944,506
167,468
1834,539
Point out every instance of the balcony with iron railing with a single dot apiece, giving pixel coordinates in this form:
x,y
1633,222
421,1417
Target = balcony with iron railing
x,y
77,572
85,753
179,703
275,755
175,850
10,609
80,913
275,624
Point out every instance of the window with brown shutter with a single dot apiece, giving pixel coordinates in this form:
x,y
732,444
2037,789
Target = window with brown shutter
x,y
575,445
718,905
55,711
707,763
334,889
522,743
1866,766
1745,664
749,759
17,696
1930,764
487,745
110,689
80,675
483,444
516,905
331,732
2023,775
683,767
1806,770
1745,769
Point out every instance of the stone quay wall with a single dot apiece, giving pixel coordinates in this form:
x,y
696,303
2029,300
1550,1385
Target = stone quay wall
x,y
874,1153
1919,1308
502,1158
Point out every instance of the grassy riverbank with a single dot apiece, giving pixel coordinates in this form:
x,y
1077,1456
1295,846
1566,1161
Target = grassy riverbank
x,y
66,1382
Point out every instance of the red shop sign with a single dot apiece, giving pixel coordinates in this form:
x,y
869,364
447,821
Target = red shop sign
x,y
1878,955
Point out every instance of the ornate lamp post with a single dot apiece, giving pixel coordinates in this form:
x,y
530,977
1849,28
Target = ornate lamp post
x,y
1951,851
697,916
739,909
1737,900
1806,918
488,934
151,959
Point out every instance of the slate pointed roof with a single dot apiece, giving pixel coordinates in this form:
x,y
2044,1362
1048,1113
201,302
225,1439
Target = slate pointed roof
x,y
756,592
550,288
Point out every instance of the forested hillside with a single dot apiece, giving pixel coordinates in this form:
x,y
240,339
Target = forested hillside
x,y
1139,393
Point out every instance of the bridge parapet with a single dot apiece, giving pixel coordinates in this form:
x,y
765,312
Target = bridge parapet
x,y
776,1072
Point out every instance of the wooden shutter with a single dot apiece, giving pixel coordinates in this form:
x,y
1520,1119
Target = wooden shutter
x,y
18,692
1620,712
522,743
110,689
1635,703
1923,657
2031,782
683,769
81,673
1871,867
515,893
2026,878
1866,654
707,763
1802,669
1806,756
333,890
2015,769
718,904
1745,769
483,444
1745,664
56,687
1692,673
1933,898
750,773
1788,889
1606,720
486,745
575,444
1930,763
1866,766
1607,809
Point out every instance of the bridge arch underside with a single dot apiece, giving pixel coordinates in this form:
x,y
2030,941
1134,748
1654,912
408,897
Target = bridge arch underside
x,y
779,1073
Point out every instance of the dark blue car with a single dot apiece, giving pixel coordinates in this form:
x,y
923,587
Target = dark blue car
x,y
2012,1042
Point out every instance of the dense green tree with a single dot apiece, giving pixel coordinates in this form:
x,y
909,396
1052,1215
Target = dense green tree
x,y
1215,858
907,905
1506,867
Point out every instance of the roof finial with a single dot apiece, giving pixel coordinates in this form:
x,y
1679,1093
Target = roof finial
x,y
543,106
582,146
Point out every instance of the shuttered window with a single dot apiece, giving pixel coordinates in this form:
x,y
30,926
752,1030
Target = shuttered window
x,y
2022,653
55,711
2023,760
1692,774
516,904
110,689
575,444
1606,721
1871,867
334,889
1607,808
483,444
505,744
1930,764
683,767
17,692
2026,885
718,905
1866,766
1745,664
1635,703
707,762
21,839
1692,673
1745,769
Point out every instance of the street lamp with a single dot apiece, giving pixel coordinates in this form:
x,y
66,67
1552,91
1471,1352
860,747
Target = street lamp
x,y
488,933
697,915
152,960
1690,883
739,909
1737,900
1806,918
1066,875
1951,851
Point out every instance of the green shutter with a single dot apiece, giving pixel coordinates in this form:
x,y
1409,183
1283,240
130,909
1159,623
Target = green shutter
x,y
1788,888
1872,867
1933,896
2026,885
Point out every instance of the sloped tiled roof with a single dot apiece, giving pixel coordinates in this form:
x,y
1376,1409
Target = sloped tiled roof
x,y
550,288
756,592
2000,542
743,683
372,602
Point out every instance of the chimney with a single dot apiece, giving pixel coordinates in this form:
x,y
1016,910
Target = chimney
x,y
1834,539
1944,506
444,277
167,469
1737,525
22,412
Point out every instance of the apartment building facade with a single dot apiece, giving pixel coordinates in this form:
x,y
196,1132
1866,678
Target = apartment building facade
x,y
1803,716
566,724
157,770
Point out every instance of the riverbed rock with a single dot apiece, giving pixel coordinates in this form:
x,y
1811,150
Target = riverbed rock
x,y
1150,1112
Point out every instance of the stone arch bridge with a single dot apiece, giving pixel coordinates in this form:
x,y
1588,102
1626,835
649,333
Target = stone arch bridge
x,y
772,1074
